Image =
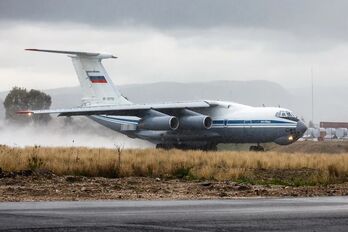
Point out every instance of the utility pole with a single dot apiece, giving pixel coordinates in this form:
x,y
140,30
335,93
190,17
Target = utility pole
x,y
312,80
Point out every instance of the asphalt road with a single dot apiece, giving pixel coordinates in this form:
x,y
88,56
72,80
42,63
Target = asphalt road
x,y
256,214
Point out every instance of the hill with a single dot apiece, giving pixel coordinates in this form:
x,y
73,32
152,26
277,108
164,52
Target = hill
x,y
329,107
247,92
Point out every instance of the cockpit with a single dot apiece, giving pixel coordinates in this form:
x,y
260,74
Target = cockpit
x,y
287,115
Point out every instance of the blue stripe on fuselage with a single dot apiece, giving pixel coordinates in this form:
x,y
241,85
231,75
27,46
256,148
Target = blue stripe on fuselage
x,y
252,122
215,122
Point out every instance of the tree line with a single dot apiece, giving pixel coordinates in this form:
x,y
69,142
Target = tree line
x,y
21,99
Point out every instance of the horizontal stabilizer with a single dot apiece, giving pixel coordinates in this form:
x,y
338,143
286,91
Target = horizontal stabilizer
x,y
77,53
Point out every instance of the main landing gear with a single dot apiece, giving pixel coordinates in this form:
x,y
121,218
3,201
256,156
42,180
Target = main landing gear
x,y
164,146
203,147
257,148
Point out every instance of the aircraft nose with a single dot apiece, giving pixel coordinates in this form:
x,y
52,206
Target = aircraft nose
x,y
301,127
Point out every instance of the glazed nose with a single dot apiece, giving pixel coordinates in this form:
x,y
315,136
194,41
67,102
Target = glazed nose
x,y
301,127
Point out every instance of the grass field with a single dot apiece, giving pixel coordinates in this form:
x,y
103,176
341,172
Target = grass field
x,y
293,169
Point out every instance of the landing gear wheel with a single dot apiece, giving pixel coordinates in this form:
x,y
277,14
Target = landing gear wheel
x,y
206,147
164,146
256,148
159,146
210,147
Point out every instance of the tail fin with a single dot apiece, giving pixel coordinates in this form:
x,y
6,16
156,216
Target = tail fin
x,y
97,87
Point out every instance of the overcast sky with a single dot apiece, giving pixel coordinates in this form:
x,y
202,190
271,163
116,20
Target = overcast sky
x,y
183,41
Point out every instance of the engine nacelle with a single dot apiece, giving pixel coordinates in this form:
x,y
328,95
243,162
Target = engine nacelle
x,y
165,122
195,122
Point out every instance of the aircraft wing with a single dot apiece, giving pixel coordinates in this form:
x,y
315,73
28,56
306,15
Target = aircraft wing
x,y
128,110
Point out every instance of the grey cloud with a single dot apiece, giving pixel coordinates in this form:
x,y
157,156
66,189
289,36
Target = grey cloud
x,y
314,18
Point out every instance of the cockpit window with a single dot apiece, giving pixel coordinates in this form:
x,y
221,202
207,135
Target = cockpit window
x,y
286,115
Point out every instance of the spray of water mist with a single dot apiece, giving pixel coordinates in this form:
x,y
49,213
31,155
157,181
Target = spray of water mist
x,y
78,132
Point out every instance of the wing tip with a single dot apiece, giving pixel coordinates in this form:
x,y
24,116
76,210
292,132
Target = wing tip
x,y
30,49
25,112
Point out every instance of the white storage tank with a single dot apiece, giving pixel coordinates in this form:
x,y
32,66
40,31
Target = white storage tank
x,y
316,133
341,133
330,133
312,134
308,134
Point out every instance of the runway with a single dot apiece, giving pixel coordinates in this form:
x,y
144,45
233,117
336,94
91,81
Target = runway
x,y
251,214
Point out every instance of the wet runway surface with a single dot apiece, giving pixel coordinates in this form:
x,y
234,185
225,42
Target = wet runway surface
x,y
255,214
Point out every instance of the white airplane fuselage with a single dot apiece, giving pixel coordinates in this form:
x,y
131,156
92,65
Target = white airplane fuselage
x,y
231,123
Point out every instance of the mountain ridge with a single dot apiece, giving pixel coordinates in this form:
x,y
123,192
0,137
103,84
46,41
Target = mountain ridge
x,y
254,93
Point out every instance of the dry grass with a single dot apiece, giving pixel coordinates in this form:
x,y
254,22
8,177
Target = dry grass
x,y
264,168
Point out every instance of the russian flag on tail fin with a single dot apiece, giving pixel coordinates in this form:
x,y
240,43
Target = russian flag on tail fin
x,y
97,79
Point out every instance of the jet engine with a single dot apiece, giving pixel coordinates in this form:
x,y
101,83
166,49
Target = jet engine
x,y
194,121
165,122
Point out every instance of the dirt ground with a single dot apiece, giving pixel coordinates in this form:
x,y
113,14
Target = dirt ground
x,y
28,186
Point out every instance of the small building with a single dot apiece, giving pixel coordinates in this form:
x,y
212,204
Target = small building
x,y
333,125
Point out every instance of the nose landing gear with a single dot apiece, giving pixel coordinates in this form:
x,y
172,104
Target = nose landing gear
x,y
257,148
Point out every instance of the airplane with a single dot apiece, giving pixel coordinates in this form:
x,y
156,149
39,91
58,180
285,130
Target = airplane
x,y
182,125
